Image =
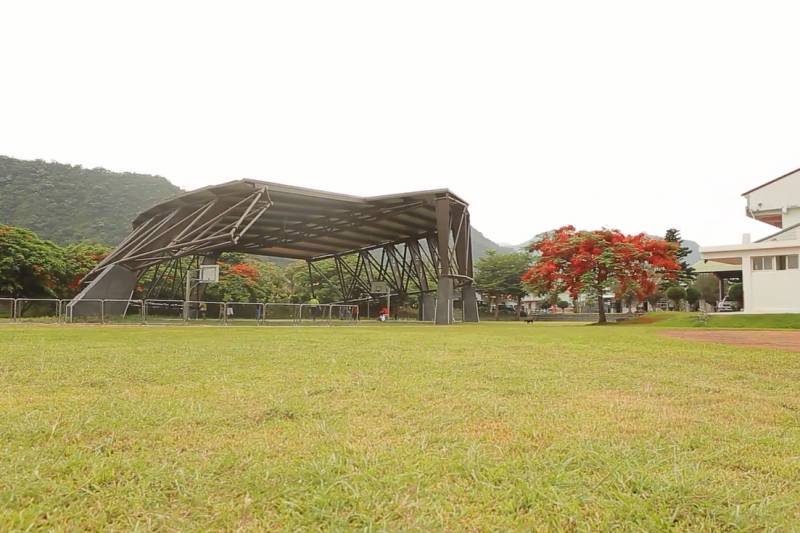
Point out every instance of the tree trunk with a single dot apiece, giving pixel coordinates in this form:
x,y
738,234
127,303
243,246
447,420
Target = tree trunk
x,y
496,309
519,307
601,307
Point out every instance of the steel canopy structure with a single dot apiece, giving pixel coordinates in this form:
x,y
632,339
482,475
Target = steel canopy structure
x,y
404,239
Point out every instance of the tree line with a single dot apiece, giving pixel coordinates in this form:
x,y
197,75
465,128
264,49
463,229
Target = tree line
x,y
565,261
635,268
31,267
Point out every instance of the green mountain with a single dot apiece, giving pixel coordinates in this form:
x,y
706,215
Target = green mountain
x,y
69,203
481,244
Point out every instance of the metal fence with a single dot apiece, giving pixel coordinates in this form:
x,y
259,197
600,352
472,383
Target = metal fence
x,y
6,310
174,312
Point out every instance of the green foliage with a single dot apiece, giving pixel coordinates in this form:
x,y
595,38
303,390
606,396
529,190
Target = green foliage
x,y
500,275
245,279
29,266
687,274
80,258
299,287
708,286
693,295
736,293
68,204
482,245
562,304
676,293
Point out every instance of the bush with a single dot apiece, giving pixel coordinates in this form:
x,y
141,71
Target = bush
x,y
736,293
676,293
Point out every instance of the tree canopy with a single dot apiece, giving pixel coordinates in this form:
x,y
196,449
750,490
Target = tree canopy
x,y
687,275
29,266
591,261
676,293
500,275
69,203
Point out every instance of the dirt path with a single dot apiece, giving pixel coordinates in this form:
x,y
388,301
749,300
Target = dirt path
x,y
778,340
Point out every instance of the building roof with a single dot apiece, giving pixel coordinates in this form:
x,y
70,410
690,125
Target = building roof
x,y
273,219
714,267
785,234
771,182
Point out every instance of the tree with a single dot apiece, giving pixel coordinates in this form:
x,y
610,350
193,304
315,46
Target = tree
x,y
500,276
29,267
736,293
80,259
244,279
562,304
66,203
676,293
687,274
708,285
693,296
591,261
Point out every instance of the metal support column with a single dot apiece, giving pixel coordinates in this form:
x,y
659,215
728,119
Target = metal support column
x,y
444,292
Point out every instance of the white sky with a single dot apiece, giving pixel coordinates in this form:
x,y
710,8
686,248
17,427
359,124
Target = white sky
x,y
636,115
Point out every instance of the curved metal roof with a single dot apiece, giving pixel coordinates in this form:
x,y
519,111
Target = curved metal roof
x,y
272,219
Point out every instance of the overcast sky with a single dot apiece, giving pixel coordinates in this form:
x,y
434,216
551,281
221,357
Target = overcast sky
x,y
635,115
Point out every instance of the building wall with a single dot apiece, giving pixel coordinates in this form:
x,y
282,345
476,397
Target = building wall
x,y
790,218
783,193
770,291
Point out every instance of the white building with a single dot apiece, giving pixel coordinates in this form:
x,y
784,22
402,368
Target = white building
x,y
769,266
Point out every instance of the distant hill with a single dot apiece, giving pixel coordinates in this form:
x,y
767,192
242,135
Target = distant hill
x,y
481,244
67,203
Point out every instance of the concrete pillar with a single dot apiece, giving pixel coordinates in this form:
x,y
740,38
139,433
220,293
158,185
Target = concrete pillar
x,y
469,302
444,302
427,307
444,292
114,283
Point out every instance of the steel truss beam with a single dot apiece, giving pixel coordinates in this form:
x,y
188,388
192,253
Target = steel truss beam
x,y
418,243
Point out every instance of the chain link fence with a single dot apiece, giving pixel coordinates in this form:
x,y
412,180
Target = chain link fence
x,y
174,312
37,311
6,310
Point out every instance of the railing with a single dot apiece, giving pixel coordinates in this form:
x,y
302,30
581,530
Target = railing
x,y
173,312
7,310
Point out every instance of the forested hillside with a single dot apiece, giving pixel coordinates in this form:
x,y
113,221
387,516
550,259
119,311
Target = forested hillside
x,y
481,244
66,203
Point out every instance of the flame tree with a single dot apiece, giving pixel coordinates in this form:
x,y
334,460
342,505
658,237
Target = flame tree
x,y
592,261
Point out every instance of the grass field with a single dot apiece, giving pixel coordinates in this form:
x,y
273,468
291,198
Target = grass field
x,y
496,427
726,321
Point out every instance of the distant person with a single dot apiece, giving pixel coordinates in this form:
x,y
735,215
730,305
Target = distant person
x,y
384,315
397,313
203,310
229,312
314,307
355,313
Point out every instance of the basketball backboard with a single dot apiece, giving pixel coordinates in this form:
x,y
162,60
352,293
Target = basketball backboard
x,y
208,274
379,287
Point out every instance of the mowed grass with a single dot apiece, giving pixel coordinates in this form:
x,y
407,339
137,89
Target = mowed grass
x,y
494,427
668,319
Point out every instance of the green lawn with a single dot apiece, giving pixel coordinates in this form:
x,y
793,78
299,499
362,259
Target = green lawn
x,y
495,427
722,321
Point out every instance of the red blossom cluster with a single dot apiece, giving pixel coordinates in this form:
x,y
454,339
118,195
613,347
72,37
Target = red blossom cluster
x,y
246,271
575,261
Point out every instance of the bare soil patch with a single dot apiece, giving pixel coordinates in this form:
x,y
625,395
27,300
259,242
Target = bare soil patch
x,y
779,340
